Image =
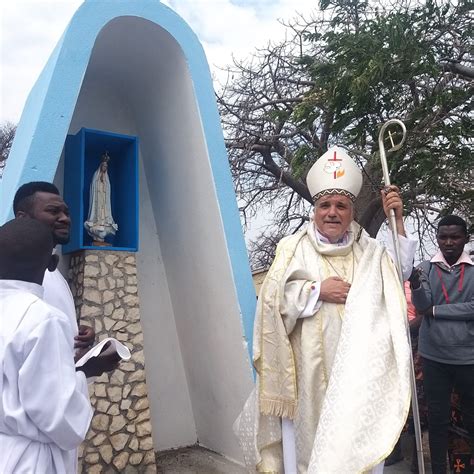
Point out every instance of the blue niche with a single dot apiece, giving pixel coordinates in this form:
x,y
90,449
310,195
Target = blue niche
x,y
83,155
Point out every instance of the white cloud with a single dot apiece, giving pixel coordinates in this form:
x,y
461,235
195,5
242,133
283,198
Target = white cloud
x,y
29,33
30,30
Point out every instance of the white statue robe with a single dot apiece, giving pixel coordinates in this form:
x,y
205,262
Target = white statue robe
x,y
44,412
100,222
322,336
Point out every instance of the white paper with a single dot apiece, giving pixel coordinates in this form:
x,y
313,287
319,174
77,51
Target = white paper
x,y
115,345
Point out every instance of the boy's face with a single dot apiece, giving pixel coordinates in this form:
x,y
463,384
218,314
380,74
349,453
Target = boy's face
x,y
53,211
451,241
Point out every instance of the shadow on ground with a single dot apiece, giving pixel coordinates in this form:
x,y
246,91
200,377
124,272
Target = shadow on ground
x,y
405,466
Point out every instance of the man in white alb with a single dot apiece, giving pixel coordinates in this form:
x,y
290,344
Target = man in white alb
x,y
44,407
41,201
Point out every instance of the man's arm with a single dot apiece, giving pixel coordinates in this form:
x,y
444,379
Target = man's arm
x,y
455,311
420,288
299,297
300,290
303,297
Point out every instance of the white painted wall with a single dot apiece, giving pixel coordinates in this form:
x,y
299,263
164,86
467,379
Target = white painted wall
x,y
198,372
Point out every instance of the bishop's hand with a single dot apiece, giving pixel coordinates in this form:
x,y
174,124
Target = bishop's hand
x,y
334,290
391,200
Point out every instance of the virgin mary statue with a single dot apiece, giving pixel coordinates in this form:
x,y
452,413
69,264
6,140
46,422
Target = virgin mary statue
x,y
100,223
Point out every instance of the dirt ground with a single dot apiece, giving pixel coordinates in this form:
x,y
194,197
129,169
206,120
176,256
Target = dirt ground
x,y
199,460
195,460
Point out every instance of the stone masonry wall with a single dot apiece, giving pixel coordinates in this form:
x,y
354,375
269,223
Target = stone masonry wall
x,y
104,285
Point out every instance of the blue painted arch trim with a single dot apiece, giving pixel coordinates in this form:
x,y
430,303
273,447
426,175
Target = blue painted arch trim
x,y
37,148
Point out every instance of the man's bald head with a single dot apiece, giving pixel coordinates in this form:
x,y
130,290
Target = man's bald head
x,y
26,246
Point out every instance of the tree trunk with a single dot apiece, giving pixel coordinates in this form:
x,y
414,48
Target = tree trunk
x,y
368,206
371,215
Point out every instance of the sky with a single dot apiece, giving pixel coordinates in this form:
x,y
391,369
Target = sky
x,y
30,29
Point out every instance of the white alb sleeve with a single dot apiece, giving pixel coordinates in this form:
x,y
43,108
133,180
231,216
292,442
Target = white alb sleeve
x,y
289,445
313,303
407,253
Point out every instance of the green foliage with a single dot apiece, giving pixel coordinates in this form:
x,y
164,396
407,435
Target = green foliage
x,y
303,158
391,66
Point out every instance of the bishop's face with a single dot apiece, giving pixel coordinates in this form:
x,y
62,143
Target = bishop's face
x,y
333,215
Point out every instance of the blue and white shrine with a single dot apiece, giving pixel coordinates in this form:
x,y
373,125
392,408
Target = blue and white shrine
x,y
131,75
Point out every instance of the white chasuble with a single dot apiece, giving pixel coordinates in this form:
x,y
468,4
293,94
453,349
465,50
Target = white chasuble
x,y
341,375
44,410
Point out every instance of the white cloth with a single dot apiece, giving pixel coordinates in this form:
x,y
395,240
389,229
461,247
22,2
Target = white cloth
x,y
378,469
288,442
58,294
44,413
407,253
115,346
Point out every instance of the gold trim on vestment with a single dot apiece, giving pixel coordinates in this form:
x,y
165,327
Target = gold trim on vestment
x,y
274,405
323,349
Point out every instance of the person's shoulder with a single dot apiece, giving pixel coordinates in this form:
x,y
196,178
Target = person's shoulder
x,y
425,267
287,246
44,311
364,240
20,299
293,238
52,278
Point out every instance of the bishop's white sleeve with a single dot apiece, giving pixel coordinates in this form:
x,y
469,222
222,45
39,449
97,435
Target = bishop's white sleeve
x,y
300,293
407,253
50,390
313,303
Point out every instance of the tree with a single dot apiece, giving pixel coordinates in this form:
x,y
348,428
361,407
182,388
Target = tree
x,y
7,134
342,74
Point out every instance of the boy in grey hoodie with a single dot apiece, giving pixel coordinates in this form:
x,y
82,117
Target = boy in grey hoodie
x,y
443,290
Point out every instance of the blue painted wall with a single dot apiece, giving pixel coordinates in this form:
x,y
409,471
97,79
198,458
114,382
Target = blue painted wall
x,y
83,156
48,111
